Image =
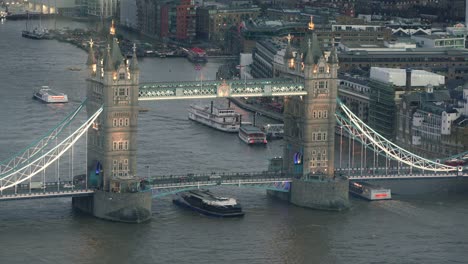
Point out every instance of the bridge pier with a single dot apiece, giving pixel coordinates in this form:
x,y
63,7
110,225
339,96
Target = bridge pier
x,y
326,194
119,207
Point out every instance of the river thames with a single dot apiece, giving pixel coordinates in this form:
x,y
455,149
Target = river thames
x,y
407,229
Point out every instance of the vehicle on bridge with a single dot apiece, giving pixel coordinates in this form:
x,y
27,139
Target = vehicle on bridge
x,y
203,201
455,162
369,191
37,185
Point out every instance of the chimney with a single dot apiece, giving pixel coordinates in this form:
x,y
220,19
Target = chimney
x,y
408,79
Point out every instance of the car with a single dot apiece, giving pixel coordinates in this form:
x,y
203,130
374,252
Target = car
x,y
68,185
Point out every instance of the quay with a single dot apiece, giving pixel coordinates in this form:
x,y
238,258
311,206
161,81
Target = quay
x,y
257,109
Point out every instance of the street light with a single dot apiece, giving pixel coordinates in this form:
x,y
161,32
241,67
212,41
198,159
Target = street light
x,y
148,172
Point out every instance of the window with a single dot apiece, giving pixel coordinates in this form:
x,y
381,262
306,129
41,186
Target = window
x,y
120,145
127,122
121,91
321,69
122,76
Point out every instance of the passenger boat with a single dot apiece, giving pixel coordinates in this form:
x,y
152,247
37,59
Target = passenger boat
x,y
273,131
224,119
252,135
203,201
369,191
48,95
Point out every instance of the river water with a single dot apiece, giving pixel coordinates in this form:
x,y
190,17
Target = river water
x,y
408,229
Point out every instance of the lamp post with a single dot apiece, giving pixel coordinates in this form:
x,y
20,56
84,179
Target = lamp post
x,y
147,172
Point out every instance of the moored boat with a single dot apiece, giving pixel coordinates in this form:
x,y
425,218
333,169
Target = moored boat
x,y
224,119
252,135
369,191
203,201
273,131
48,95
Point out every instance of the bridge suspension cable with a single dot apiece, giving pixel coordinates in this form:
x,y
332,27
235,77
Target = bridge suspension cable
x,y
40,163
391,149
36,147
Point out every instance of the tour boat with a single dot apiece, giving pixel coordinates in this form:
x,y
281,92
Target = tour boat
x,y
48,95
224,119
203,201
369,191
252,135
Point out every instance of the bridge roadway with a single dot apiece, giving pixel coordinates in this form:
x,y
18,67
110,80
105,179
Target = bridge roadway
x,y
50,191
168,184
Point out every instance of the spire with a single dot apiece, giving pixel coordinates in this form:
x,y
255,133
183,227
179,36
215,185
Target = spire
x,y
116,52
313,51
112,28
134,62
311,25
91,58
288,53
108,63
333,58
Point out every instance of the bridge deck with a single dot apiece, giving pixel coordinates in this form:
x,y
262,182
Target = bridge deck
x,y
47,194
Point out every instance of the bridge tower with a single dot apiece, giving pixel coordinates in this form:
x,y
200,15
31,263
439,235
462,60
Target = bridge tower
x,y
309,149
113,83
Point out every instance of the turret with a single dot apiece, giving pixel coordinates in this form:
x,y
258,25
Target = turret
x,y
108,62
313,51
133,67
91,61
134,62
333,58
288,55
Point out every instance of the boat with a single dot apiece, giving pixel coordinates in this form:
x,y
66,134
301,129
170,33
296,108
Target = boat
x,y
36,33
74,68
224,119
203,201
196,55
252,135
48,95
273,131
369,191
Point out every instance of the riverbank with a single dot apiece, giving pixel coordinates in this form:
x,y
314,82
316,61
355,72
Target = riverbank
x,y
258,108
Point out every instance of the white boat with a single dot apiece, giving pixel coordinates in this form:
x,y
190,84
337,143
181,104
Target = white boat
x,y
252,135
48,95
224,119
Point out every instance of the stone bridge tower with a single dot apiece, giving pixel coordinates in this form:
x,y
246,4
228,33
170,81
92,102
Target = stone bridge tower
x,y
113,83
309,150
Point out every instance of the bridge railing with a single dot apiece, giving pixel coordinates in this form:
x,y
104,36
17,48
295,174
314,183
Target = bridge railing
x,y
209,178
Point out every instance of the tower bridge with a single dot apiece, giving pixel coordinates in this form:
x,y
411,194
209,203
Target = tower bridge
x,y
111,188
